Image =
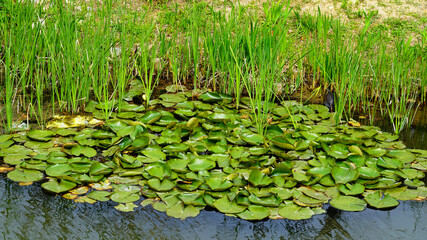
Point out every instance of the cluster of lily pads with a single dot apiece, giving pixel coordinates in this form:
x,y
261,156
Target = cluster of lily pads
x,y
181,156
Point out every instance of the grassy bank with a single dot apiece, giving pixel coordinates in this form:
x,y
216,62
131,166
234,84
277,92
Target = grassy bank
x,y
57,55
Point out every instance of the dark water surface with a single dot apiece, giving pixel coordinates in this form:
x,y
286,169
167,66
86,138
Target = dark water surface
x,y
27,212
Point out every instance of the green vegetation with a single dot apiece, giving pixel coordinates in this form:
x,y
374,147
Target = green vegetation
x,y
206,153
226,135
71,55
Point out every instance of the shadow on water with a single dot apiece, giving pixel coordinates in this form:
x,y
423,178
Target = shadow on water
x,y
27,212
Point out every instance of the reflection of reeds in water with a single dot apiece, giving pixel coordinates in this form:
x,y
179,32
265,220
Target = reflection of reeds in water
x,y
68,56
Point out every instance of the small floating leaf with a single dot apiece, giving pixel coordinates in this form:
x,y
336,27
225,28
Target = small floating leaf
x,y
295,212
25,175
128,207
378,200
348,203
226,206
41,135
124,197
254,212
57,187
99,195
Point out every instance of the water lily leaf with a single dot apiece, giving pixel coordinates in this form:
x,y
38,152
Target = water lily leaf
x,y
192,123
386,137
16,149
314,194
378,200
254,212
349,189
158,170
59,170
5,138
368,173
189,185
177,147
356,150
98,168
180,211
338,151
284,142
14,159
6,144
25,175
79,191
302,145
41,135
410,173
224,205
128,207
282,193
294,212
124,197
259,179
375,152
126,107
270,201
210,97
200,164
414,182
252,138
102,134
57,187
218,184
348,203
344,172
110,151
319,171
300,175
402,193
403,155
193,198
159,185
150,117
82,150
309,135
99,195
391,163
154,152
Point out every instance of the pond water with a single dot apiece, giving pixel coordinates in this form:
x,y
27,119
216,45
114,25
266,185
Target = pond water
x,y
28,212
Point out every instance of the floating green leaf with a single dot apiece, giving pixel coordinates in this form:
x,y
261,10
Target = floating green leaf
x,y
379,200
58,187
348,203
25,175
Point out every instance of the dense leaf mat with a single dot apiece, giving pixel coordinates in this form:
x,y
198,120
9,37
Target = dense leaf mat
x,y
202,153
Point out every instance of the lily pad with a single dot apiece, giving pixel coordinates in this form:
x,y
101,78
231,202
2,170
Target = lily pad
x,y
99,195
293,211
180,211
41,135
82,150
61,169
252,138
348,203
25,175
379,200
57,187
224,205
124,197
254,212
200,164
128,207
344,172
